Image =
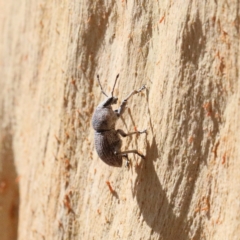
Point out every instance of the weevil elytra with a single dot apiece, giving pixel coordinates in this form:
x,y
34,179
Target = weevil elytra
x,y
107,140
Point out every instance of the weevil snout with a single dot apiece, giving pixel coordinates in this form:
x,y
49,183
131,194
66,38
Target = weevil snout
x,y
114,100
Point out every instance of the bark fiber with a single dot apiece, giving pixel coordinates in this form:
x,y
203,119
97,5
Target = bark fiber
x,y
52,183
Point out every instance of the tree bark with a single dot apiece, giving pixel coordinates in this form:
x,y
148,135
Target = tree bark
x,y
187,54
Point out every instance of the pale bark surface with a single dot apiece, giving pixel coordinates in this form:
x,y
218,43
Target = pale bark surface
x,y
187,52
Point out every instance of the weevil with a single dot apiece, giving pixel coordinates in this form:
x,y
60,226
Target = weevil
x,y
106,138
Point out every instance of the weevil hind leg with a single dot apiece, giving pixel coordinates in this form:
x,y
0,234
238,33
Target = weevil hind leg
x,y
130,151
123,134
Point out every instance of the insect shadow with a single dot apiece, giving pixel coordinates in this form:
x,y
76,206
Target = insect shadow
x,y
153,203
152,200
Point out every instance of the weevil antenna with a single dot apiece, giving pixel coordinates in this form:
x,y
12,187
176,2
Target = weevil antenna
x,y
114,85
101,86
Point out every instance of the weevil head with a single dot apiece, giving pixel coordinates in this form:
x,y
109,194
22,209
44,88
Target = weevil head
x,y
104,117
109,101
114,100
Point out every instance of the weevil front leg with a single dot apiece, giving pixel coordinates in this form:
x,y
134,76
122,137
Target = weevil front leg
x,y
122,107
123,134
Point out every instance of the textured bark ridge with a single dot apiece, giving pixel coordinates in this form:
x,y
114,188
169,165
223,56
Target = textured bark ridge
x,y
52,183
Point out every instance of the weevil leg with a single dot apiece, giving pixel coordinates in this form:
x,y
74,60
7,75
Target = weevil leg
x,y
127,161
123,134
122,107
135,92
130,151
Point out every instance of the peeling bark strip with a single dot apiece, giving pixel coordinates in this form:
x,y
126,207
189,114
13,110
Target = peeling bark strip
x,y
187,52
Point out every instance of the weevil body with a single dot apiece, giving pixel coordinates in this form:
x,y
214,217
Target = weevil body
x,y
107,139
